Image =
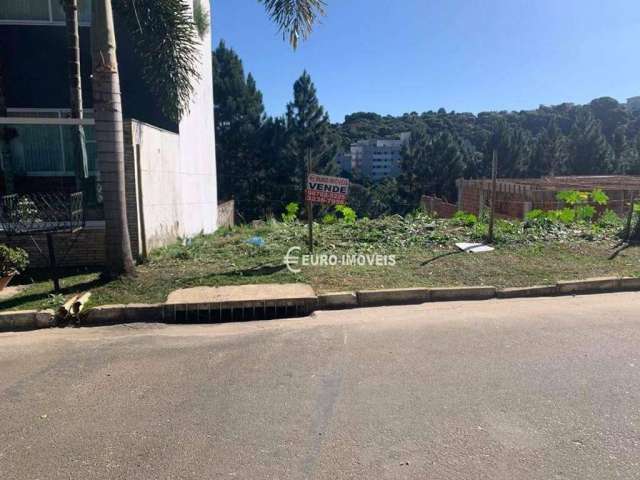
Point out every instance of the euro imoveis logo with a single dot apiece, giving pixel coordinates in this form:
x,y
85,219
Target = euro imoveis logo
x,y
295,260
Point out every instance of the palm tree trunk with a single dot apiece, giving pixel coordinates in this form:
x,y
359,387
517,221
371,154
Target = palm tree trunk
x,y
110,140
75,91
6,134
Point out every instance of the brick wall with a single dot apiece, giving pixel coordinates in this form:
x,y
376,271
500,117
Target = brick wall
x,y
438,206
470,200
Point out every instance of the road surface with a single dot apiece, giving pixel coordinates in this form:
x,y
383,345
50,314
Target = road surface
x,y
502,389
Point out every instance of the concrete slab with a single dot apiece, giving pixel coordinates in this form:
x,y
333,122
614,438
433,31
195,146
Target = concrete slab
x,y
242,293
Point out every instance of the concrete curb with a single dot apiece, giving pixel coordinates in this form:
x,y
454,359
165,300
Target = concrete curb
x,y
524,292
26,320
269,309
589,285
337,301
462,293
394,296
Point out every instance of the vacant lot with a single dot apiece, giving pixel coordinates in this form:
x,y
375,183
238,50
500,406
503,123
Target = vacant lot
x,y
425,256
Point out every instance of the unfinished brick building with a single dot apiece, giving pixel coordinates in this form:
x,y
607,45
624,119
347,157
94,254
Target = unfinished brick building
x,y
517,196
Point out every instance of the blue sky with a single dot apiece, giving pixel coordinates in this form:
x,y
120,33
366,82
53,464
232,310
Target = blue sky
x,y
397,56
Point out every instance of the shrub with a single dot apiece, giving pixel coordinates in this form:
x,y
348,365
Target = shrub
x,y
609,219
465,219
329,219
12,260
291,212
348,214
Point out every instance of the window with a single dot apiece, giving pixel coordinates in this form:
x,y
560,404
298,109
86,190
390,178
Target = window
x,y
40,12
48,149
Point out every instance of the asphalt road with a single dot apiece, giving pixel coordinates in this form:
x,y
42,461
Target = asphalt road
x,y
519,389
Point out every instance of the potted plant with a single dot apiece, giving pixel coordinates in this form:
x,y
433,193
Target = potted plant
x,y
12,262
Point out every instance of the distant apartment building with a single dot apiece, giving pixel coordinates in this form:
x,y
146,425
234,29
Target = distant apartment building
x,y
374,158
633,104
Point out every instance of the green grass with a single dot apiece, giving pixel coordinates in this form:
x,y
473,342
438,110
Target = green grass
x,y
523,256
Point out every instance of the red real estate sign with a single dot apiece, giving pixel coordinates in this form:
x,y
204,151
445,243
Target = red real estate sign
x,y
327,190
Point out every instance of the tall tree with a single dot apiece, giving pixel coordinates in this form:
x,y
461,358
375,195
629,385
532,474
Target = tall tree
x,y
6,135
294,17
239,115
70,8
161,29
109,139
514,147
311,137
590,153
431,164
551,152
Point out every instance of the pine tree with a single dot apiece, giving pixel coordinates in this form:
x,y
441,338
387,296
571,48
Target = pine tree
x,y
239,115
590,152
310,135
551,152
430,164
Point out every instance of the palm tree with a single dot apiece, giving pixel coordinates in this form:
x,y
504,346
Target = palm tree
x,y
109,139
70,8
161,29
6,135
294,17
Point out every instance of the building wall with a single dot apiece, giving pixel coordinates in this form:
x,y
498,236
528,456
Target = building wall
x,y
154,179
197,164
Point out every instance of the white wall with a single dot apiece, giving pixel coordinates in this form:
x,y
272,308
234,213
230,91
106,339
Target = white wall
x,y
197,167
159,179
176,174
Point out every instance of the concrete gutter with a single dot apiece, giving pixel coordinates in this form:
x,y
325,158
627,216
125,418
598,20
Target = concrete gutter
x,y
199,306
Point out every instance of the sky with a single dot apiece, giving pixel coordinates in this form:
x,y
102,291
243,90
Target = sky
x,y
399,56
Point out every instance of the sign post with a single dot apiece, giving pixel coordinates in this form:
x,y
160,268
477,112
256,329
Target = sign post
x,y
324,190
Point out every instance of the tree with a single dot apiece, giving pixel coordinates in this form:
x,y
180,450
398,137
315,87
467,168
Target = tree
x,y
6,135
107,106
514,147
164,30
311,138
294,17
239,115
610,114
551,152
590,153
70,8
431,164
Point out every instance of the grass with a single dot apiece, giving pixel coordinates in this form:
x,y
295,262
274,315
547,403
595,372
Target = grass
x,y
426,256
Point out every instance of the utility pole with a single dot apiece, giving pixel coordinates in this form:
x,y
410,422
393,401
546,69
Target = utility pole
x,y
494,175
630,216
309,203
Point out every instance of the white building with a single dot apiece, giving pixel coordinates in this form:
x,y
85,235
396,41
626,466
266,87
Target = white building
x,y
374,158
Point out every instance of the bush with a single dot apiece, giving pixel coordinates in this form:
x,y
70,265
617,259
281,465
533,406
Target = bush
x,y
291,212
348,214
465,219
329,219
12,260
